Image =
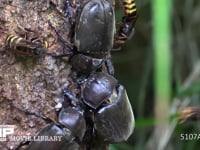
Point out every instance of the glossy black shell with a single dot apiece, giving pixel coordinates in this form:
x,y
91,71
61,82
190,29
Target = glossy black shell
x,y
94,31
54,130
115,122
98,88
72,119
85,64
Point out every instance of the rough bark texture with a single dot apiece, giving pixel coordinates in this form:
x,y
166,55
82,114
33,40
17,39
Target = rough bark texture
x,y
30,83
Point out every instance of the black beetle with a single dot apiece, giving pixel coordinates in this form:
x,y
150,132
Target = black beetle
x,y
94,29
93,37
113,118
114,122
94,34
98,88
71,127
54,130
73,119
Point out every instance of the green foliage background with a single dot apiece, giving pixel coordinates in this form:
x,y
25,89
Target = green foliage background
x,y
160,68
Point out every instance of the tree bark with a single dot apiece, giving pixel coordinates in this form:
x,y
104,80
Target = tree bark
x,y
30,84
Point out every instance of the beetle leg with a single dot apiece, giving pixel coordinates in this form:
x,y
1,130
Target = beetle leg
x,y
66,54
109,66
33,113
70,11
82,79
67,44
71,96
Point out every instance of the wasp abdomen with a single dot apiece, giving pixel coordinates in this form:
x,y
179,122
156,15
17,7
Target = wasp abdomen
x,y
12,40
130,8
128,22
25,47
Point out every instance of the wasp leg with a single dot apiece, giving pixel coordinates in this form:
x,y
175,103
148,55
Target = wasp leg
x,y
23,32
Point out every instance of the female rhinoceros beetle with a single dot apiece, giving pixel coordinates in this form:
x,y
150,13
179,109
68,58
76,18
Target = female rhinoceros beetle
x,y
73,119
113,119
54,130
94,34
97,89
93,37
71,127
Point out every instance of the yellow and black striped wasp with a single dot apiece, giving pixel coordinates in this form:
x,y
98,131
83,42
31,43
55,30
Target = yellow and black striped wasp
x,y
22,46
127,24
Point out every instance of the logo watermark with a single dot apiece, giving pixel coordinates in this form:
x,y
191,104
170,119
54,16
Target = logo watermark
x,y
6,130
7,133
35,138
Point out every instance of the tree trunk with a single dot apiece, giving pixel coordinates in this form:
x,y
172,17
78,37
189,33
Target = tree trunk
x,y
31,86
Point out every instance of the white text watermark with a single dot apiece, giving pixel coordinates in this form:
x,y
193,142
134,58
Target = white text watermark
x,y
7,134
